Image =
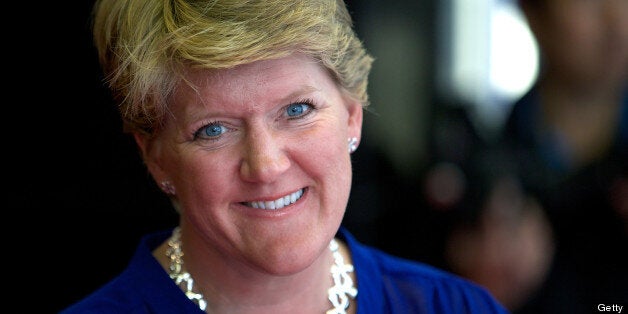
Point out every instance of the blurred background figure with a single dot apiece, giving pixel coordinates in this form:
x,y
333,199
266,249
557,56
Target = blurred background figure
x,y
542,219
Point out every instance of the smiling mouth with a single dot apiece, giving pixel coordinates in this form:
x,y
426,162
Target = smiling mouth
x,y
278,203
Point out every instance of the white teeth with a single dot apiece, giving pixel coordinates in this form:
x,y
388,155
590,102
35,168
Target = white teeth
x,y
278,203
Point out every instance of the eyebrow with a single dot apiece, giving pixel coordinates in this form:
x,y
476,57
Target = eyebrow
x,y
303,90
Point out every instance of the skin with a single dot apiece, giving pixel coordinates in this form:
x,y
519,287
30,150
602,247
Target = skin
x,y
243,257
585,59
584,42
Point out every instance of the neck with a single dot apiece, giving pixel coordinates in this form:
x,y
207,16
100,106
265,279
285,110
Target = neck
x,y
587,121
582,94
235,287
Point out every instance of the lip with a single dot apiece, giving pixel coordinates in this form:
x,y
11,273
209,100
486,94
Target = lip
x,y
249,207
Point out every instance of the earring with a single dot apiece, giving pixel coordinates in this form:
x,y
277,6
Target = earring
x,y
167,187
353,144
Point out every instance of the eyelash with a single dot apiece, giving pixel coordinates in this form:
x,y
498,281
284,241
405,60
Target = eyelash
x,y
197,134
307,101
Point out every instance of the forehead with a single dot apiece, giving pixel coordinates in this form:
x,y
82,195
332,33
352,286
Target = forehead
x,y
253,87
256,79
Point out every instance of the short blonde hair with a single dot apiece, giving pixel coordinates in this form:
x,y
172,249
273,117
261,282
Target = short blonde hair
x,y
145,46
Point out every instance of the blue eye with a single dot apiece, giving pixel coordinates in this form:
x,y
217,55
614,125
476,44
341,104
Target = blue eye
x,y
296,110
212,130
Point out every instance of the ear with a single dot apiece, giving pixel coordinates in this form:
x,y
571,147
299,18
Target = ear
x,y
356,111
150,156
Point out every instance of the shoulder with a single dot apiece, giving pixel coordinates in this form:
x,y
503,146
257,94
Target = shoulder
x,y
116,296
143,287
396,285
98,303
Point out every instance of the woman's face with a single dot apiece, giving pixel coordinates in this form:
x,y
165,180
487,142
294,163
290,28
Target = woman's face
x,y
259,160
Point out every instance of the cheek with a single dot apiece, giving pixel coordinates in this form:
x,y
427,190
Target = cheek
x,y
202,177
326,155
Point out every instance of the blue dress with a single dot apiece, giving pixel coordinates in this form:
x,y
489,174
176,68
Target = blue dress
x,y
386,284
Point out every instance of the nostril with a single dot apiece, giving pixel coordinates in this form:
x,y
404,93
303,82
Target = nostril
x,y
265,166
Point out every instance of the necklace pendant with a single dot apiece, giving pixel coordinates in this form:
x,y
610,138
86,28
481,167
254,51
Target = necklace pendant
x,y
343,287
338,294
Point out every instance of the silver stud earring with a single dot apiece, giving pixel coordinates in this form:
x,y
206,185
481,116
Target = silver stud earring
x,y
167,187
353,144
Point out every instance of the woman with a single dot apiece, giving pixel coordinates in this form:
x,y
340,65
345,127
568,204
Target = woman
x,y
246,113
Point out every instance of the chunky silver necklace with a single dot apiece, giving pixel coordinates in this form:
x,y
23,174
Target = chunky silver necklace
x,y
338,294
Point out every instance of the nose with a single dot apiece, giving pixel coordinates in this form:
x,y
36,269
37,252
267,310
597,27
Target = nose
x,y
265,157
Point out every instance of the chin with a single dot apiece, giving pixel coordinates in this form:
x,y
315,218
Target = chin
x,y
289,259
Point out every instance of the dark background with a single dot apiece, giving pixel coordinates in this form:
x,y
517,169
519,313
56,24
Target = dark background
x,y
79,196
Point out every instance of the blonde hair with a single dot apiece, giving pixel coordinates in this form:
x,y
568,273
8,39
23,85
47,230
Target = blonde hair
x,y
145,46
